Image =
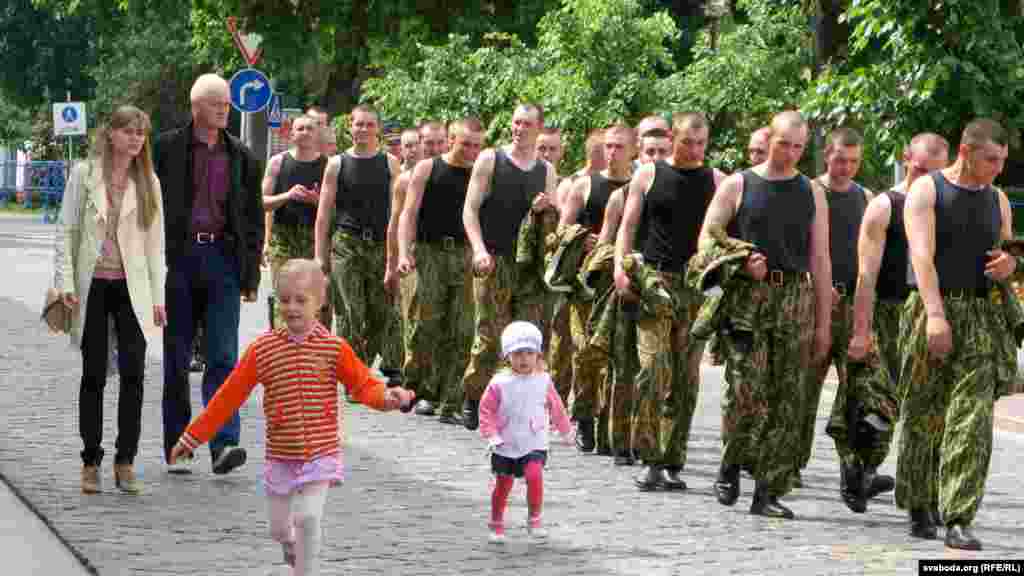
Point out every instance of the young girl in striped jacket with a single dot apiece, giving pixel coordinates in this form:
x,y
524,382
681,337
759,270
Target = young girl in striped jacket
x,y
299,366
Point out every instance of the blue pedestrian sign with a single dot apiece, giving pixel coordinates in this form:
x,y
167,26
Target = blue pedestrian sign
x,y
69,114
250,90
274,114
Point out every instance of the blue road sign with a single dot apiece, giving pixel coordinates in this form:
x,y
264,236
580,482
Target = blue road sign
x,y
70,114
274,114
250,90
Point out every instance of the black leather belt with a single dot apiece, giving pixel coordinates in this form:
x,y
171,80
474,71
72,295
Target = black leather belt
x,y
206,237
779,278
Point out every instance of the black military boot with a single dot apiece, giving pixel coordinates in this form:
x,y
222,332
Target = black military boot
x,y
585,435
624,458
672,479
651,478
921,524
727,486
471,414
765,504
851,487
875,484
959,536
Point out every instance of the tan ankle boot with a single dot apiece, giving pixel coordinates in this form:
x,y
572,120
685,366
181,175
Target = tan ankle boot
x,y
124,478
90,479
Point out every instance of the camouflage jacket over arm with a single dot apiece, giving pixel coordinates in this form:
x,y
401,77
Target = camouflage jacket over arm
x,y
717,271
564,260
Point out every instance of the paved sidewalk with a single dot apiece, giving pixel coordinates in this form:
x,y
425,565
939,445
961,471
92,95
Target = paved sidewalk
x,y
418,492
31,547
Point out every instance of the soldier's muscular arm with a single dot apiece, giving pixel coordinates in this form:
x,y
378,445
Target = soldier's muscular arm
x,y
271,201
870,246
410,214
391,249
1001,264
612,216
821,273
638,188
562,193
919,219
324,210
479,187
573,203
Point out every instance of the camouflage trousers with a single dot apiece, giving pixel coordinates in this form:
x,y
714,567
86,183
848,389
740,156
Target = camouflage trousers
x,y
365,314
439,324
498,299
286,243
668,382
561,344
589,366
621,396
764,376
865,387
946,442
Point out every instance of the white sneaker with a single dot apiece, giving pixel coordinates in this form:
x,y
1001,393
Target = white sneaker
x,y
496,538
184,465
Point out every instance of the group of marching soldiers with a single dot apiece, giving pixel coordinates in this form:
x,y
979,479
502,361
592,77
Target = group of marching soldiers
x,y
645,259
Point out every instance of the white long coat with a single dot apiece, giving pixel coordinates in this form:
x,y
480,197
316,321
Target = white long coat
x,y
81,227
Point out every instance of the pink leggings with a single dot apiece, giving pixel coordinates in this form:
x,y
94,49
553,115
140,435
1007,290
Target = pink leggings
x,y
295,522
534,474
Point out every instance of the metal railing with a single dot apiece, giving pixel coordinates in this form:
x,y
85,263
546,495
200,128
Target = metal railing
x,y
23,182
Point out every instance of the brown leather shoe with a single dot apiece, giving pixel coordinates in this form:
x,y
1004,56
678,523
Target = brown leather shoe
x,y
124,478
90,479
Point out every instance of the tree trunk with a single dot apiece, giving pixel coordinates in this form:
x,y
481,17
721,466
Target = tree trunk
x,y
350,61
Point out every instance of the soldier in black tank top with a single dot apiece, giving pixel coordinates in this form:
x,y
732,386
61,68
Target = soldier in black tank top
x,y
893,270
674,212
363,198
776,216
967,225
601,189
295,172
845,213
511,195
444,195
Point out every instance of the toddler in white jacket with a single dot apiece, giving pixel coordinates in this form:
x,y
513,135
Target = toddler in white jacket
x,y
516,411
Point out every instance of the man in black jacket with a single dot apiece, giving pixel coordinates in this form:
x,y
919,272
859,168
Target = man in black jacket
x,y
213,212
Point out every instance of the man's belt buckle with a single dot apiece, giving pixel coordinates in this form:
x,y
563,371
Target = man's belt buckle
x,y
956,294
776,278
367,235
205,237
448,242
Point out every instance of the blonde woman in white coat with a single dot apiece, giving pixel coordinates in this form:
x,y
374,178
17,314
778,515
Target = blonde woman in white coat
x,y
110,270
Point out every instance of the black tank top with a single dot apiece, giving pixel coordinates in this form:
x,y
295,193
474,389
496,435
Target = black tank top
x,y
776,216
892,272
293,172
601,189
967,225
363,201
511,195
443,198
674,209
845,213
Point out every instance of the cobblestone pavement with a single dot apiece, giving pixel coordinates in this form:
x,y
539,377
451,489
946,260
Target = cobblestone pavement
x,y
418,492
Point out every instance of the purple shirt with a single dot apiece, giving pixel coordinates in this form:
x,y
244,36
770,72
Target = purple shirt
x,y
210,182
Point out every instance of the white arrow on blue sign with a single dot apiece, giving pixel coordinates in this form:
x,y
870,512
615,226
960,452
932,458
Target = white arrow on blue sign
x,y
274,114
250,90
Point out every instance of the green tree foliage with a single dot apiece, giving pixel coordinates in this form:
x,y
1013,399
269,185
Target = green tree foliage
x,y
923,66
595,62
45,53
17,125
760,66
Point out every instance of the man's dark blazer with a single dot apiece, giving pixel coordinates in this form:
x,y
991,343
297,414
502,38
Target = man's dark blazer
x,y
244,226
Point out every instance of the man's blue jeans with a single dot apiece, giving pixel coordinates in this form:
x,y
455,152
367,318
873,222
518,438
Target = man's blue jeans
x,y
204,285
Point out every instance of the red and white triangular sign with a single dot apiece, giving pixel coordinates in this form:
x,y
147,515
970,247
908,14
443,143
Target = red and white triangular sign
x,y
248,44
